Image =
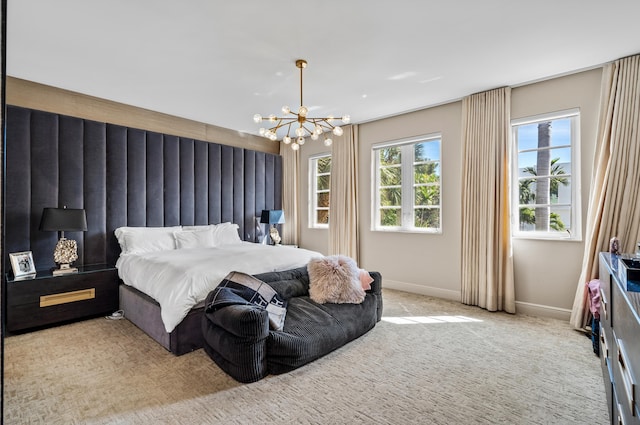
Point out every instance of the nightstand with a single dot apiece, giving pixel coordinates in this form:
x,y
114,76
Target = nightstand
x,y
45,299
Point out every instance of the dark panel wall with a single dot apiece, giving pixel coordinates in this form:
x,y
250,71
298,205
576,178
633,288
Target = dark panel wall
x,y
124,177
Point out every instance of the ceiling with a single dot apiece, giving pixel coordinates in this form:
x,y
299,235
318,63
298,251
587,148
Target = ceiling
x,y
220,62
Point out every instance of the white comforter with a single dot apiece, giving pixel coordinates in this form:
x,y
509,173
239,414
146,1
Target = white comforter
x,y
179,279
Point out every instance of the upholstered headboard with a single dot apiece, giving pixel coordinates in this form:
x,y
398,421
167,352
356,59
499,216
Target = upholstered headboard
x,y
124,177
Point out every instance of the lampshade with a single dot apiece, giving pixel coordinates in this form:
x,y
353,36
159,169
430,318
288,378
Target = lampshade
x,y
272,216
63,220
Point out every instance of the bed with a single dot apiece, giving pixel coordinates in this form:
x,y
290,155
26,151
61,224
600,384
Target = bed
x,y
168,271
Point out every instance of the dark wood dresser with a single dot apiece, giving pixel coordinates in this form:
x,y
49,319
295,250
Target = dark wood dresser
x,y
619,342
45,299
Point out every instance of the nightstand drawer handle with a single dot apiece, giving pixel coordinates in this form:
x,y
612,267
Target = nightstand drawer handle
x,y
67,297
627,377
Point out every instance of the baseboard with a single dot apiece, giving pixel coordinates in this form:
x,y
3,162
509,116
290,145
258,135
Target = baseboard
x,y
522,307
539,310
430,291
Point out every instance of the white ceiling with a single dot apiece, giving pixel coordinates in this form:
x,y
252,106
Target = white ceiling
x,y
220,62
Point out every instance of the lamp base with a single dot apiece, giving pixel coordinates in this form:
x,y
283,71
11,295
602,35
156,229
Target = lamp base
x,y
275,236
64,269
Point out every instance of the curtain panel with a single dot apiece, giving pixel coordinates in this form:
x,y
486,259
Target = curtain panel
x,y
614,203
487,261
290,167
343,197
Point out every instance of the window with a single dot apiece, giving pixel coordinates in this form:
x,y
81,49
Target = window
x,y
407,185
320,183
545,176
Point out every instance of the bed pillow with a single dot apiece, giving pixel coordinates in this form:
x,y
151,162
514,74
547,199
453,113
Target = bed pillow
x,y
199,227
226,233
136,240
192,239
335,279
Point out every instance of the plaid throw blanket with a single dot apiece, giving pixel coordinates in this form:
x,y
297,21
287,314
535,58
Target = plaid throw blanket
x,y
239,288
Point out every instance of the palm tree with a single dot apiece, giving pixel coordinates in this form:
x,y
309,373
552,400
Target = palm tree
x,y
527,215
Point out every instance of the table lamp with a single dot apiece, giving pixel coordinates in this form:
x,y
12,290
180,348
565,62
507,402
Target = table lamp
x,y
64,220
273,217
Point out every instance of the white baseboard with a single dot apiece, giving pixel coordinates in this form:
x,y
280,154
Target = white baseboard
x,y
539,310
430,291
522,307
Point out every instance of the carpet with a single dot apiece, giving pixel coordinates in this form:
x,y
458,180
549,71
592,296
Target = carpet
x,y
430,361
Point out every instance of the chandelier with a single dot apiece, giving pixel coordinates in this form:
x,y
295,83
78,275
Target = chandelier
x,y
306,126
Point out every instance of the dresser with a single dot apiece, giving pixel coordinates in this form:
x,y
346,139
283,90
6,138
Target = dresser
x,y
619,342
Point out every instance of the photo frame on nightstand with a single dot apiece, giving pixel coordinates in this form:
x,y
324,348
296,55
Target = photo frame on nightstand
x,y
22,264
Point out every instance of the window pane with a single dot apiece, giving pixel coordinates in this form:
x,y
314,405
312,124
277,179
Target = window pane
x,y
324,165
427,173
545,219
390,176
390,217
391,197
390,156
323,200
427,218
553,190
324,182
427,151
560,218
322,217
427,195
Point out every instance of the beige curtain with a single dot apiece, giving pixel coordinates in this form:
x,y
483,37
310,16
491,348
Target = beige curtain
x,y
487,262
290,166
343,201
614,204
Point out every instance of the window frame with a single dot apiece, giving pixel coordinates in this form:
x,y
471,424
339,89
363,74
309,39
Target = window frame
x,y
575,232
407,173
313,191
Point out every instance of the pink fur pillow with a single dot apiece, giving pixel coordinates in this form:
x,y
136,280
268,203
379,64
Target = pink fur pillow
x,y
335,279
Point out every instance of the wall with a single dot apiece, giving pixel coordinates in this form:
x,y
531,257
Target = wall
x,y
546,272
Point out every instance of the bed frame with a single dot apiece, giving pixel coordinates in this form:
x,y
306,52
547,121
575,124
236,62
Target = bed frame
x,y
125,176
144,312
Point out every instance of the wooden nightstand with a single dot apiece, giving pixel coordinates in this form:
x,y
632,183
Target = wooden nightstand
x,y
46,299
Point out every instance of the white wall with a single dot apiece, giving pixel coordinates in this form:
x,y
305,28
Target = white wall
x,y
546,272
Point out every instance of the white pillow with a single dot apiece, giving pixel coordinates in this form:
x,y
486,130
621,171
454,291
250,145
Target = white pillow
x,y
226,233
135,240
190,239
199,227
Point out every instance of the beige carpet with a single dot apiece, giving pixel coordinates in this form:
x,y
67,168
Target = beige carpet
x,y
493,369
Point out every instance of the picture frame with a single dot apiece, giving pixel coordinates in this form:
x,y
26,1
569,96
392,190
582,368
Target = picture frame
x,y
22,264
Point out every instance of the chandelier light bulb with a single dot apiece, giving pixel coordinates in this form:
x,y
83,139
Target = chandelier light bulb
x,y
300,131
317,129
330,118
286,140
314,136
328,142
257,118
303,111
295,146
337,131
346,119
300,141
263,131
272,118
286,109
